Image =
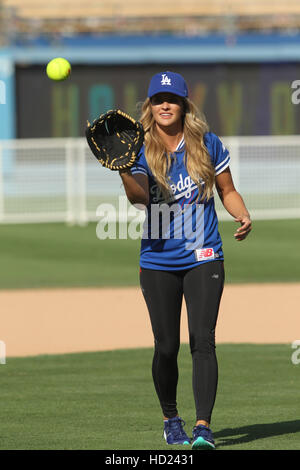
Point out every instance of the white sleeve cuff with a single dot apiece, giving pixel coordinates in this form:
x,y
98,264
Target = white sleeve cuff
x,y
141,171
222,166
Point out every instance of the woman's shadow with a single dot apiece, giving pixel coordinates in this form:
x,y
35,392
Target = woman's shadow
x,y
254,432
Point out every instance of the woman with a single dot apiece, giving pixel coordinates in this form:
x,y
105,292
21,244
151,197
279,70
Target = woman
x,y
181,249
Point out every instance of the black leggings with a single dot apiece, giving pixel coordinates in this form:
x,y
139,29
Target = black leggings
x,y
163,291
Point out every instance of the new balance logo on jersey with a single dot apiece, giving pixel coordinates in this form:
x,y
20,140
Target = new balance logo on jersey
x,y
165,80
204,253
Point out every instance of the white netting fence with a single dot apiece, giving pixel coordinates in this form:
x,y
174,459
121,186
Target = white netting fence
x,y
44,180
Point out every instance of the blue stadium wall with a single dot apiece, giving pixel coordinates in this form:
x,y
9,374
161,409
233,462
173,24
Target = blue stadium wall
x,y
242,84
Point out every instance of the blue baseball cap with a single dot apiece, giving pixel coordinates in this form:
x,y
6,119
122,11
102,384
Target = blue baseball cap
x,y
168,82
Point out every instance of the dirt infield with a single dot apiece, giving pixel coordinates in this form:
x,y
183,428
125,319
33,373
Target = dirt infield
x,y
50,321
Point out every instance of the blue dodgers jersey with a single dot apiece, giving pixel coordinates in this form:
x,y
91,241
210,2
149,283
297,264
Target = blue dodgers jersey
x,y
181,232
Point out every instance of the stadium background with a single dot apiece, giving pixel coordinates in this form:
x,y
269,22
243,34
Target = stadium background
x,y
62,289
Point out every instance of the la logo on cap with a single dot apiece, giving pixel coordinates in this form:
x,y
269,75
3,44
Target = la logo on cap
x,y
168,81
165,80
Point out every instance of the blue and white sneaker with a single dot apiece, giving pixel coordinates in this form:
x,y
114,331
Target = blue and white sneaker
x,y
202,438
174,432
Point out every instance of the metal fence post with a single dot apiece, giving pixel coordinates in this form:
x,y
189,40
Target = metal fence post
x,y
232,144
82,217
1,185
70,186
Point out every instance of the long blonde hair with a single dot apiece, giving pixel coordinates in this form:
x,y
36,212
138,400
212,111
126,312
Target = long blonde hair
x,y
196,158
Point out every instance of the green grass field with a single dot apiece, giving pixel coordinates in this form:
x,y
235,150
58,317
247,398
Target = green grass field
x,y
55,255
106,400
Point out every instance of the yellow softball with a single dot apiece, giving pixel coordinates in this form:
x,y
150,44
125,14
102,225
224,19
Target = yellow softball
x,y
58,69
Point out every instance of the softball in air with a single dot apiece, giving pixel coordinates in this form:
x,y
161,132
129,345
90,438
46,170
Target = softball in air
x,y
58,69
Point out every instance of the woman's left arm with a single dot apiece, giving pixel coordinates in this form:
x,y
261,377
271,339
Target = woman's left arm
x,y
233,203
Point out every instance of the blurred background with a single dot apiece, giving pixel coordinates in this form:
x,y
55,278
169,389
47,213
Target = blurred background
x,y
239,58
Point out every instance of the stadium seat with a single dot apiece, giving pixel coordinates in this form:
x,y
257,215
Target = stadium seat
x,y
168,14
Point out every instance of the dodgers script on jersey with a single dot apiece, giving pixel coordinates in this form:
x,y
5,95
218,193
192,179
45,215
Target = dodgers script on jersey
x,y
181,232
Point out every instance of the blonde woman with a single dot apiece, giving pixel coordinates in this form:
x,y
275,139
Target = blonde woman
x,y
181,249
